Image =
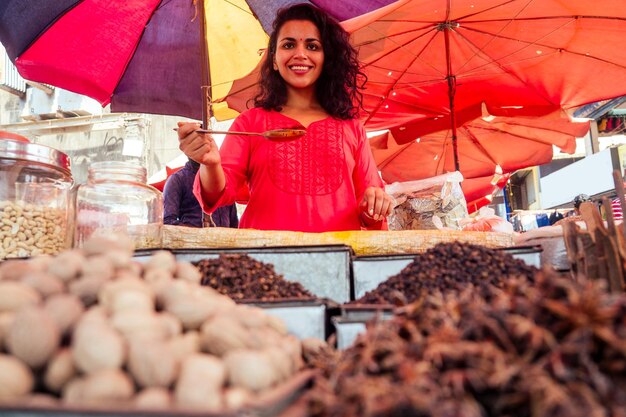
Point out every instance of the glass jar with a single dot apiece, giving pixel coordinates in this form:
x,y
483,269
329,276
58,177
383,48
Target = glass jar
x,y
35,190
117,199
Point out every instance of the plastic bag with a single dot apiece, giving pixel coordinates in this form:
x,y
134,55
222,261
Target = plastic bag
x,y
432,203
486,221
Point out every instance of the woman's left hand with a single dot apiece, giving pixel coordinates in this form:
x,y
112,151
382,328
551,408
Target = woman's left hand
x,y
376,204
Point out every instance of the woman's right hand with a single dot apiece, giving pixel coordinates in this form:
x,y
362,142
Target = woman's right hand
x,y
198,146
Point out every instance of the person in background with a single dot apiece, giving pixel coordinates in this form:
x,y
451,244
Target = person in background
x,y
555,216
574,215
578,200
326,180
616,207
181,208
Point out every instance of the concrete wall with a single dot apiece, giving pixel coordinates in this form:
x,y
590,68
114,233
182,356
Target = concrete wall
x,y
11,107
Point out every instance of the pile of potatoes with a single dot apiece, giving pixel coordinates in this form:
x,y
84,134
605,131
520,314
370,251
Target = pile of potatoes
x,y
93,327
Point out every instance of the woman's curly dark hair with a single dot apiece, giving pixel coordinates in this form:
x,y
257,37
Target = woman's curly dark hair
x,y
338,87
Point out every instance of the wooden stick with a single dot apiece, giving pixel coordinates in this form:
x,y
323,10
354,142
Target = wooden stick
x,y
608,211
570,236
590,214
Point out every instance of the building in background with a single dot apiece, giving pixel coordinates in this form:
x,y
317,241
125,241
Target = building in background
x,y
588,171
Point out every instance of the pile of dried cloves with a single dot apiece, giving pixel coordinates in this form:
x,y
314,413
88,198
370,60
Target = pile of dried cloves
x,y
243,278
448,268
552,347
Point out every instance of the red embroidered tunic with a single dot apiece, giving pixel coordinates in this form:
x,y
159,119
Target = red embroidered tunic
x,y
310,184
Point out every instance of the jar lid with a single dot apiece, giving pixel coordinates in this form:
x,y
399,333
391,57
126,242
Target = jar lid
x,y
13,149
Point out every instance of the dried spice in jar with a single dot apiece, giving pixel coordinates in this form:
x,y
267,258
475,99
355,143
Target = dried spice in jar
x,y
35,200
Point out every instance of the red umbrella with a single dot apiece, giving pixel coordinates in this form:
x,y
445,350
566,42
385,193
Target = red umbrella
x,y
479,192
489,147
510,143
524,57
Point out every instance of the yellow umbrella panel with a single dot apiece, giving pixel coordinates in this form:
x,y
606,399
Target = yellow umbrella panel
x,y
234,42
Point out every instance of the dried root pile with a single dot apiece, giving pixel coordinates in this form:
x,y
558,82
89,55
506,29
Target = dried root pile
x,y
242,278
448,268
552,348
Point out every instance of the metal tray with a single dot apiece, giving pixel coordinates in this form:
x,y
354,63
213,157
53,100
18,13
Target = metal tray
x,y
347,331
530,254
369,271
366,312
266,404
323,270
353,320
303,318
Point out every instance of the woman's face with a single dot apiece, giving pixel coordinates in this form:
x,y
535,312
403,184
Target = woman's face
x,y
299,55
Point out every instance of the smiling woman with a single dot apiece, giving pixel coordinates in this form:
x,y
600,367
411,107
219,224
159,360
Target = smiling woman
x,y
325,180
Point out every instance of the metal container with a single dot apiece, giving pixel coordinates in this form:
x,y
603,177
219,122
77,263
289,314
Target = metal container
x,y
370,271
303,319
347,330
35,203
323,270
353,319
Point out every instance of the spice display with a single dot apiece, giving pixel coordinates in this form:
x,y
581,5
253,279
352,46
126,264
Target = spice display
x,y
91,327
29,230
448,268
549,348
243,278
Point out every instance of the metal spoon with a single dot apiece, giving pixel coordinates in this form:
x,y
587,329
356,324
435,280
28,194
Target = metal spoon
x,y
270,134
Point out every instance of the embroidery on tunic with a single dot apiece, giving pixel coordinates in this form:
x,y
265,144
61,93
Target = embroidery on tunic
x,y
312,164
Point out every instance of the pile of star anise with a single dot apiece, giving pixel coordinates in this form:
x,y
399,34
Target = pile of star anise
x,y
552,347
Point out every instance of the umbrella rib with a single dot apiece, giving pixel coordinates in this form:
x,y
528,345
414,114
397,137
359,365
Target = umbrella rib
x,y
528,44
391,86
476,142
518,136
392,35
441,160
513,123
491,61
403,46
393,156
238,7
529,19
486,10
494,36
497,35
